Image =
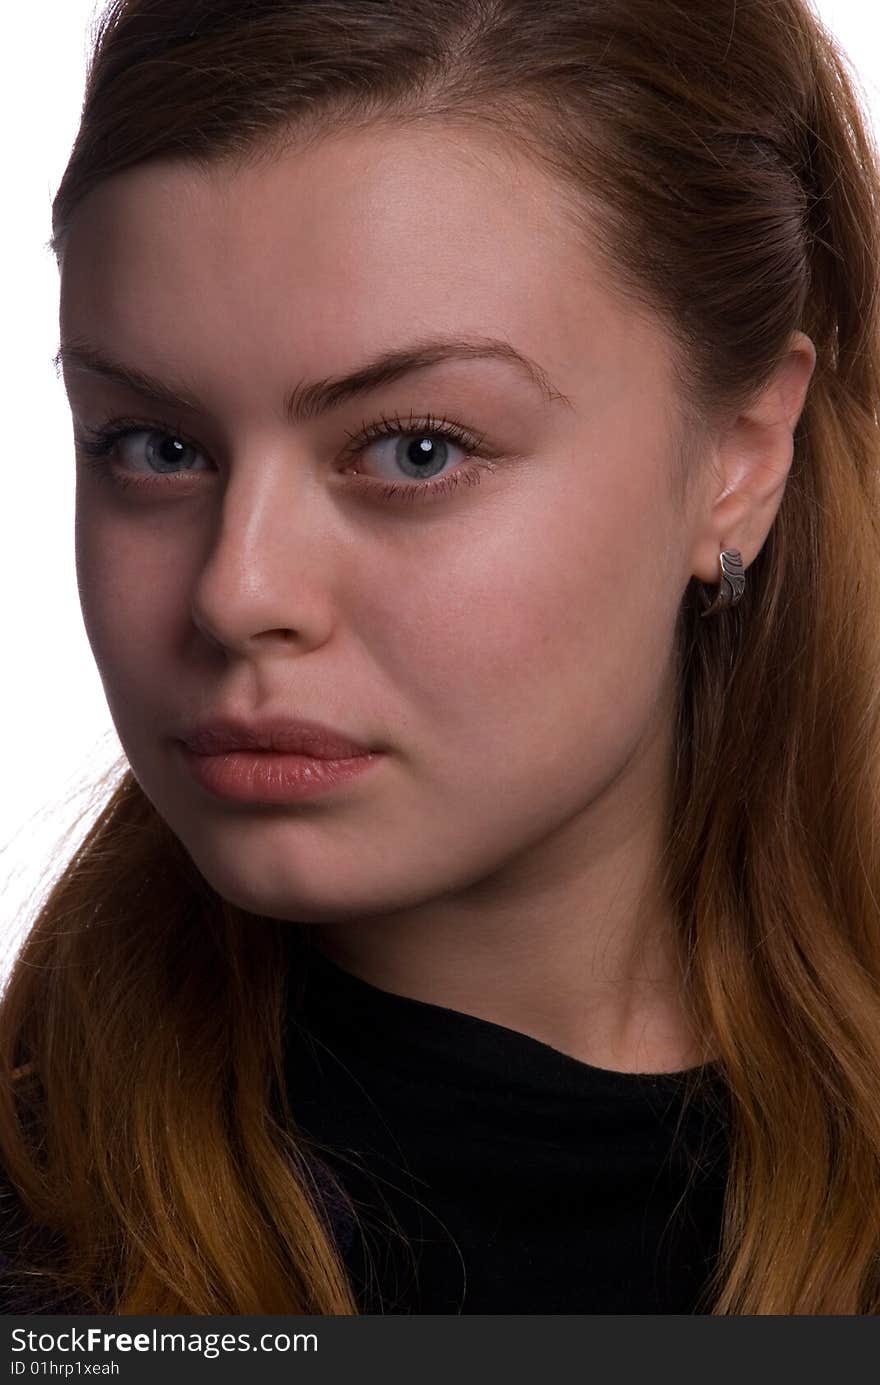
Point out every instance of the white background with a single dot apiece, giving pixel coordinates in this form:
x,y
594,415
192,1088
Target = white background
x,y
58,734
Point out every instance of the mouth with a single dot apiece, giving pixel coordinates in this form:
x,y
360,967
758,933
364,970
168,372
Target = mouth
x,y
271,776
279,735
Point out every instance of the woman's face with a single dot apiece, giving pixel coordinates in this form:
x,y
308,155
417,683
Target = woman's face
x,y
508,643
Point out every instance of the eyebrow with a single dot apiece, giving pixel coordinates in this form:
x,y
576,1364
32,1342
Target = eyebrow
x,y
308,401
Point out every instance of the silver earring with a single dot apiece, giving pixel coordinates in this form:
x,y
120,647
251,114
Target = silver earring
x,y
731,586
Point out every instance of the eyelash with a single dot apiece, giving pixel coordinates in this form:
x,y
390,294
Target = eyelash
x,y
97,445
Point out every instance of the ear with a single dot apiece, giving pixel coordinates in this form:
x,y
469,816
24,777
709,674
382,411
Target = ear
x,y
750,466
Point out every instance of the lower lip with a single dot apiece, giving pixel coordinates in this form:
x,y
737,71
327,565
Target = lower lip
x,y
262,776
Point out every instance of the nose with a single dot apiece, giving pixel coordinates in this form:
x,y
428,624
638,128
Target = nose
x,y
270,561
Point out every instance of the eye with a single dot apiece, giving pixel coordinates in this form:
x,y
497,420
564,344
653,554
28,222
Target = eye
x,y
164,453
418,456
421,453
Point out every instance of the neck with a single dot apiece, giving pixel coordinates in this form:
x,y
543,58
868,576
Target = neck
x,y
573,943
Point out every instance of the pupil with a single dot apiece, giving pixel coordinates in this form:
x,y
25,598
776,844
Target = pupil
x,y
170,449
425,450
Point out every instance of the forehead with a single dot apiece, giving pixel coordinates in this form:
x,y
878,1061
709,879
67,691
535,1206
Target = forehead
x,y
358,242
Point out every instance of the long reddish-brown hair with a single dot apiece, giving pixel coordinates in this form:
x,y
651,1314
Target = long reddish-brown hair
x,y
718,160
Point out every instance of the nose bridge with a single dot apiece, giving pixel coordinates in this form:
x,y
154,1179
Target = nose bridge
x,y
266,564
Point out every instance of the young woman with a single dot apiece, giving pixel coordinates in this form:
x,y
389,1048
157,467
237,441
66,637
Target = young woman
x,y
478,537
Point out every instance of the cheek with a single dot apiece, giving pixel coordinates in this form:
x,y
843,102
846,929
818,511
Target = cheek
x,y
129,594
546,627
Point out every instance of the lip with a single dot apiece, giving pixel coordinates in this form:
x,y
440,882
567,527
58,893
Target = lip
x,y
265,776
284,735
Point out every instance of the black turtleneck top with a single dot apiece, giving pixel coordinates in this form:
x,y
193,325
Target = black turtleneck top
x,y
491,1173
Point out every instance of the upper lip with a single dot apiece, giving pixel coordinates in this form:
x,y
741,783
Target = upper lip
x,y
283,734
